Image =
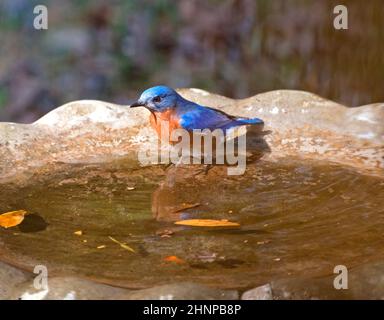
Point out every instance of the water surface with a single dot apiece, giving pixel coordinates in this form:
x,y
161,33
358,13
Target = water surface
x,y
297,218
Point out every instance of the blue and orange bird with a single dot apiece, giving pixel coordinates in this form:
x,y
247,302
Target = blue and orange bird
x,y
165,104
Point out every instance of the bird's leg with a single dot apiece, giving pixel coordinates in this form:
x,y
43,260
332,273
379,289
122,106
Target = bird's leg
x,y
204,169
167,166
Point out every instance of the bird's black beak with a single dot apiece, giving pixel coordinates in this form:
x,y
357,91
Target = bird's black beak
x,y
136,104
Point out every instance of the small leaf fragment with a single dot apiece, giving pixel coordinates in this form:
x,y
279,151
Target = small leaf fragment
x,y
174,259
186,206
78,233
123,245
101,247
11,219
207,223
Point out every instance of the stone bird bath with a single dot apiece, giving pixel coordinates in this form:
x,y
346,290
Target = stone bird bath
x,y
313,199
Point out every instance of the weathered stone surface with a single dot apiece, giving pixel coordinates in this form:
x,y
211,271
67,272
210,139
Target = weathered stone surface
x,y
10,277
67,288
182,291
363,282
72,288
260,293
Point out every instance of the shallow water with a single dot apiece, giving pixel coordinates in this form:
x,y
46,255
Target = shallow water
x,y
297,218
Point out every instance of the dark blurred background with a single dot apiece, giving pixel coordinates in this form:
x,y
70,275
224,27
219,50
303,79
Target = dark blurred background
x,y
112,50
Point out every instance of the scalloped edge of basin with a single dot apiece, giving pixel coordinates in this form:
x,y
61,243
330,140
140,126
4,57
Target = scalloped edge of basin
x,y
301,124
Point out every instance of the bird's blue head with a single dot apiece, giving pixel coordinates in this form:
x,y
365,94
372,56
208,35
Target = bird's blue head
x,y
157,99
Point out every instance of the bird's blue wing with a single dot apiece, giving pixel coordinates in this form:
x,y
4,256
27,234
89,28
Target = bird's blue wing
x,y
199,117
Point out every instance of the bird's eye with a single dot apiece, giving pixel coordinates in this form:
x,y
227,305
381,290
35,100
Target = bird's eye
x,y
157,99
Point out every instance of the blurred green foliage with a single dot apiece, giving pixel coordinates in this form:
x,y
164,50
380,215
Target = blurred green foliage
x,y
113,50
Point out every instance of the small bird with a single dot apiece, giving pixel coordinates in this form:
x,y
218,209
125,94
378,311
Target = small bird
x,y
165,104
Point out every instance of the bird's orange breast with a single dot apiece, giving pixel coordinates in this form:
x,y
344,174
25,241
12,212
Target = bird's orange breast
x,y
162,119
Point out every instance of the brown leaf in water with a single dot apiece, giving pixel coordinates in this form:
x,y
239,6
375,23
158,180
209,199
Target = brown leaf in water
x,y
174,259
207,223
123,245
11,219
165,233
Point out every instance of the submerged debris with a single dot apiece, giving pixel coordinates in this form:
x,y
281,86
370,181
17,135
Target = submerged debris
x,y
123,245
165,233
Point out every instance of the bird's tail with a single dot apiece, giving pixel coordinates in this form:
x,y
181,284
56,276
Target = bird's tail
x,y
237,122
250,121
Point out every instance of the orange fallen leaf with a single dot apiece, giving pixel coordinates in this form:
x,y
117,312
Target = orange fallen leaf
x,y
207,223
11,219
174,259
